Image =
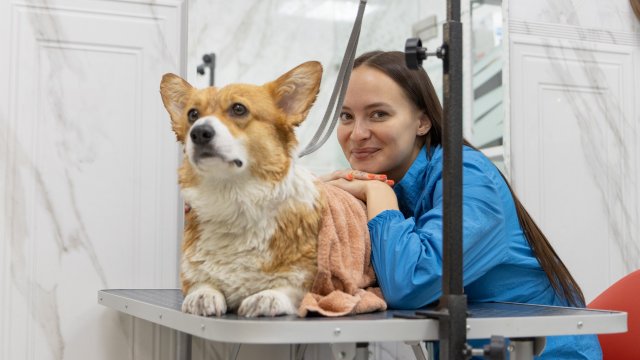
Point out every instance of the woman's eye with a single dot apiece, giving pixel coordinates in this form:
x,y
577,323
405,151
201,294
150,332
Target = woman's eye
x,y
345,117
193,115
379,115
238,109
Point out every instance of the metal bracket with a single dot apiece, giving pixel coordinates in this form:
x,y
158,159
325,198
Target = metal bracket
x,y
209,61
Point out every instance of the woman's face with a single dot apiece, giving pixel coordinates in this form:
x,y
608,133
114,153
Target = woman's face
x,y
379,126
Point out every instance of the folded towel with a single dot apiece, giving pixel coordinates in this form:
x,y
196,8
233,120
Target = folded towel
x,y
345,275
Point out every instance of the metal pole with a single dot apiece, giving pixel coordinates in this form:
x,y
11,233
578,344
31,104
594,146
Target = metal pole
x,y
453,301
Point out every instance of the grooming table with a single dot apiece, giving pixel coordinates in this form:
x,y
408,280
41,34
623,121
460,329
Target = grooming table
x,y
525,325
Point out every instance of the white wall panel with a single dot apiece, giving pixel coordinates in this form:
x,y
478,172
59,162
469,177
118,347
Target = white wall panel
x,y
88,167
574,145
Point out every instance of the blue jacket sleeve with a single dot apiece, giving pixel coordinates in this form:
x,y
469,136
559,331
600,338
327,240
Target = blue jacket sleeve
x,y
407,252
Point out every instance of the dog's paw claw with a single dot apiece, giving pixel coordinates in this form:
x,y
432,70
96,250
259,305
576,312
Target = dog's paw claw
x,y
266,303
205,302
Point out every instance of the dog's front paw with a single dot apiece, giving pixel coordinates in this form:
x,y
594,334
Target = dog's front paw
x,y
205,301
267,303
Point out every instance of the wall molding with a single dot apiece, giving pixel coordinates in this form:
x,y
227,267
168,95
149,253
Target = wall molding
x,y
68,10
558,31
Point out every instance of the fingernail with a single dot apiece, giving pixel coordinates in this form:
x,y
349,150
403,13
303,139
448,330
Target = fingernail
x,y
349,176
390,182
382,177
371,176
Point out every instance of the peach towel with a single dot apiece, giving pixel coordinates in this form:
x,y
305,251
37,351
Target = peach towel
x,y
345,274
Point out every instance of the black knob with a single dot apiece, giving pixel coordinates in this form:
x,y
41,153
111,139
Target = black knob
x,y
496,349
209,58
414,53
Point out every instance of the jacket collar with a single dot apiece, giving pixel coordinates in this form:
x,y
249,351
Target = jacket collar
x,y
412,185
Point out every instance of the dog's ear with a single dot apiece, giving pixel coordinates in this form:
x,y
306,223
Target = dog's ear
x,y
175,94
296,90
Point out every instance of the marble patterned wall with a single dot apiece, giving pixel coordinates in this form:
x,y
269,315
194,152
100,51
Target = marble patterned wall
x,y
574,121
87,162
88,184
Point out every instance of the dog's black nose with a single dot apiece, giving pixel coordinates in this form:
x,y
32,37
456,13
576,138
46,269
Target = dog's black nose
x,y
202,134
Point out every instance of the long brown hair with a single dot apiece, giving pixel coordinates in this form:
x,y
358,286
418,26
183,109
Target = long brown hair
x,y
418,88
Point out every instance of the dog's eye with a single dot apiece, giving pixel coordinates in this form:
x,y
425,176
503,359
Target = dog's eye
x,y
238,109
193,115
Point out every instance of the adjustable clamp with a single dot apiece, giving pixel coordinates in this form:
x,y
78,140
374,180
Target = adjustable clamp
x,y
495,350
415,54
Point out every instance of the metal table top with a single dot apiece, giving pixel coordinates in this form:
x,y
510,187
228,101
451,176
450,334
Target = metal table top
x,y
512,320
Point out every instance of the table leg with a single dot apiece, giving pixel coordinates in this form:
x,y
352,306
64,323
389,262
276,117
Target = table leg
x,y
183,346
419,352
299,350
362,351
526,348
235,349
431,353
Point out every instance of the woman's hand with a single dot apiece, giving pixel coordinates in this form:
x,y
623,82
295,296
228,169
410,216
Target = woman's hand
x,y
357,188
355,182
373,189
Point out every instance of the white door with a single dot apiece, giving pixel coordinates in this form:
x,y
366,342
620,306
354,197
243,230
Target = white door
x,y
575,146
88,189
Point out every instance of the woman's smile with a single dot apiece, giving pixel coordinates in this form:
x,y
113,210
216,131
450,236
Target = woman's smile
x,y
364,153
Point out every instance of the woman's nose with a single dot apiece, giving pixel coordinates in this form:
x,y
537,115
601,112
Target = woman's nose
x,y
360,130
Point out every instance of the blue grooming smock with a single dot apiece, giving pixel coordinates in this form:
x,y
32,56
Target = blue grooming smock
x,y
498,263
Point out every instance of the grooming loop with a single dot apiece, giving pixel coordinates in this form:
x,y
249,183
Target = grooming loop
x,y
339,89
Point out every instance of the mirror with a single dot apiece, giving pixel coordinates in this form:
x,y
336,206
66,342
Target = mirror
x,y
487,60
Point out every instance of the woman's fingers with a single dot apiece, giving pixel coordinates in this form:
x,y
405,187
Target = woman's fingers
x,y
350,174
361,175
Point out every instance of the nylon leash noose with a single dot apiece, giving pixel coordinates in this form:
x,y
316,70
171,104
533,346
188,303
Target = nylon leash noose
x,y
339,88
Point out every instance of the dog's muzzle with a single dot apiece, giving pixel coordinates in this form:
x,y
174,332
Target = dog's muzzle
x,y
201,137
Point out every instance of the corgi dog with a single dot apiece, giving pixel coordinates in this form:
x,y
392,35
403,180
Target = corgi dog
x,y
250,237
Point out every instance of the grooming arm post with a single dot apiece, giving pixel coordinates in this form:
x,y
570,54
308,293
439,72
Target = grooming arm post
x,y
453,303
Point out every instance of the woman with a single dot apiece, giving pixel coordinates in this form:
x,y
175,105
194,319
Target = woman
x,y
391,130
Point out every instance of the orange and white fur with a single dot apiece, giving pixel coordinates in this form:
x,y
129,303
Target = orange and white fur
x,y
250,238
